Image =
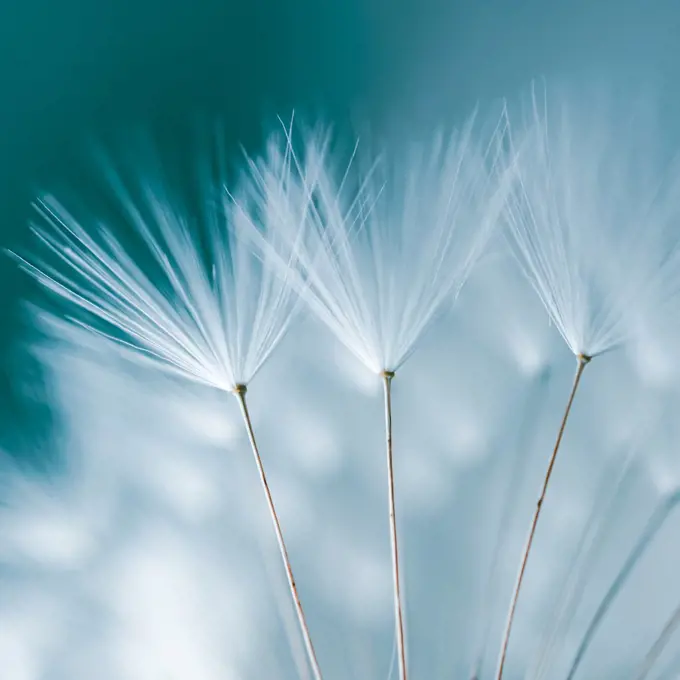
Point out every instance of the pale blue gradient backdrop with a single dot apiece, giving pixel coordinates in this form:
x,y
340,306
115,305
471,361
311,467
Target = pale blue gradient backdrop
x,y
148,555
152,553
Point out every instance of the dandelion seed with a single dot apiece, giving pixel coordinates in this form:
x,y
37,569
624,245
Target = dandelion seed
x,y
377,252
214,317
592,222
589,225
380,246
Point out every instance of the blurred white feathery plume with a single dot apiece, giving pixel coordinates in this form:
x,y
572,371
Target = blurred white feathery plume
x,y
593,219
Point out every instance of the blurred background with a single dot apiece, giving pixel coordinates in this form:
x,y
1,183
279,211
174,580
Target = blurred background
x,y
133,540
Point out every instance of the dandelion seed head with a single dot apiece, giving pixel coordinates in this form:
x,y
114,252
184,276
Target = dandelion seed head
x,y
378,246
346,365
590,220
213,314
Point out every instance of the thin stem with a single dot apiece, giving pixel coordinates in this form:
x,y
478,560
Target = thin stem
x,y
240,393
651,530
591,541
671,669
399,620
660,644
582,361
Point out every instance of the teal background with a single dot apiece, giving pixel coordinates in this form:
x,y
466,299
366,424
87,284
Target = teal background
x,y
71,71
74,69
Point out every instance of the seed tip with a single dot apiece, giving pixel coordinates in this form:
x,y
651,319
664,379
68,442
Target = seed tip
x,y
387,374
239,389
584,358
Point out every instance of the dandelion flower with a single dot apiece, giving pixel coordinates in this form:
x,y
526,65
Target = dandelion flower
x,y
213,313
590,221
379,248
